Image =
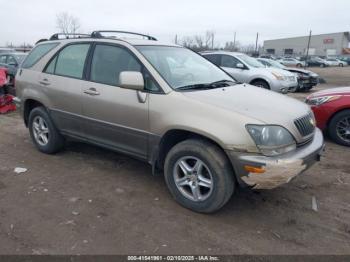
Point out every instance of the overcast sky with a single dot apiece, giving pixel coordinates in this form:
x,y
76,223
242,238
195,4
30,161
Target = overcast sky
x,y
29,20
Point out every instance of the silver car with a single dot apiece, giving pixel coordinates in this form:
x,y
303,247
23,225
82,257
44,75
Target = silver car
x,y
246,69
170,107
292,62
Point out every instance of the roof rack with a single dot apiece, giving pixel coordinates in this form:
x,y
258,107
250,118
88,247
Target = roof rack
x,y
99,34
68,36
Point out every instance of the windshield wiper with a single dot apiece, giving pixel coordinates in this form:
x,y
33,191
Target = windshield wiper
x,y
216,84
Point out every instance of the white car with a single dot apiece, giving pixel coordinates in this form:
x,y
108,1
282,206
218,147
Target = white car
x,y
292,62
246,69
336,62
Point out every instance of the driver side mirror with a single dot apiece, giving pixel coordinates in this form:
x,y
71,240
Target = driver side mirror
x,y
240,66
131,80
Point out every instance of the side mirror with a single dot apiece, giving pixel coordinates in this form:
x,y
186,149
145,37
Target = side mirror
x,y
240,66
131,80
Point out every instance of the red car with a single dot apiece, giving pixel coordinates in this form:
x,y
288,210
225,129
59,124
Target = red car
x,y
332,111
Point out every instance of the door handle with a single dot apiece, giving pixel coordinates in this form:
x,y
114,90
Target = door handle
x,y
44,82
91,91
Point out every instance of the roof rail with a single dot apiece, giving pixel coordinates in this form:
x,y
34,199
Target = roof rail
x,y
68,36
99,34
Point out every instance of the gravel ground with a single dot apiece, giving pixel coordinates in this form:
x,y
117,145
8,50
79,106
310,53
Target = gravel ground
x,y
87,200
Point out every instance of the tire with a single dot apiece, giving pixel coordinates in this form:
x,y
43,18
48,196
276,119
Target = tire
x,y
322,65
299,65
341,65
261,83
336,126
40,126
215,168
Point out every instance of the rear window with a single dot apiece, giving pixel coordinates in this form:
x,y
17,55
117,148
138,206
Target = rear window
x,y
37,53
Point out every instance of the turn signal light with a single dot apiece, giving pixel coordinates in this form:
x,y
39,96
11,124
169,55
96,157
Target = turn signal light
x,y
254,169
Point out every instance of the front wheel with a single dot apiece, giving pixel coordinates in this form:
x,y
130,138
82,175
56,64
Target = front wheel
x,y
199,175
262,84
322,65
339,128
341,65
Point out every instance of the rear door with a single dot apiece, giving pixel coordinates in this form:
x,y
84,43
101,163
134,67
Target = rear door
x,y
115,117
62,82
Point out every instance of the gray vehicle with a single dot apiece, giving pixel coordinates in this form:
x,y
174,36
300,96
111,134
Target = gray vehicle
x,y
168,106
246,69
11,61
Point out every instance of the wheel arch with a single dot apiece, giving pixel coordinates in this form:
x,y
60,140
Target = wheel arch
x,y
334,114
260,79
28,105
173,137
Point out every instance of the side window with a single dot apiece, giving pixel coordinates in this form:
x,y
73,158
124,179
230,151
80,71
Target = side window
x,y
11,60
215,59
229,61
71,60
50,69
109,61
37,53
3,59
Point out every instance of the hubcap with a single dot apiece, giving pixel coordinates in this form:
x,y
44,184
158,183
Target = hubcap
x,y
343,129
193,178
40,131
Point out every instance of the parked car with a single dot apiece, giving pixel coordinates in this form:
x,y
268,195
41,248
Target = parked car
x,y
306,79
246,69
292,62
345,59
11,61
168,106
336,62
6,50
316,61
332,111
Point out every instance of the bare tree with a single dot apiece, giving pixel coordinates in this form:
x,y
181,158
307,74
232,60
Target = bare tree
x,y
67,24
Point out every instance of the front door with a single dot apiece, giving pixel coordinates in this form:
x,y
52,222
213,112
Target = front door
x,y
229,64
115,117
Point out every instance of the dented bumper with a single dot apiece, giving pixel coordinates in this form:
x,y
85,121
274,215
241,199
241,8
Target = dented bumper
x,y
277,170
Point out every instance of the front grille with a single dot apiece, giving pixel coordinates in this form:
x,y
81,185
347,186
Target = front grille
x,y
305,124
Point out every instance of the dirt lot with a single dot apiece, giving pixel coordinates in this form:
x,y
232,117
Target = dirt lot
x,y
87,200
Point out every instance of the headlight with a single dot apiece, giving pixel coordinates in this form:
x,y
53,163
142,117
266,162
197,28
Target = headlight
x,y
272,140
316,101
278,76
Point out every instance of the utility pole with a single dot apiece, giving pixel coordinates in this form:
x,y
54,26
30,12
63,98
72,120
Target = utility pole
x,y
234,42
307,50
256,43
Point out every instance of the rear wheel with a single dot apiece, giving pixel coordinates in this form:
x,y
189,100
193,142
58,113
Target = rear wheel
x,y
44,134
339,128
199,175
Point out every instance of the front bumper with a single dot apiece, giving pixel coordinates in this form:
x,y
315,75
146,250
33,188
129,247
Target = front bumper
x,y
279,170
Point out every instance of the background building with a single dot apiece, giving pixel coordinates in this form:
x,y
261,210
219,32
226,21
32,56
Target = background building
x,y
320,45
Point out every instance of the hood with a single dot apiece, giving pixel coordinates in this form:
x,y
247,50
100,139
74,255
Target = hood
x,y
297,70
278,71
333,91
254,102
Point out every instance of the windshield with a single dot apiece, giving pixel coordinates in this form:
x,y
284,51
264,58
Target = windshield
x,y
182,67
276,64
250,61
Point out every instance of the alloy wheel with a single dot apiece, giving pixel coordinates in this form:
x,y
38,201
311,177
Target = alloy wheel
x,y
193,178
343,129
41,131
